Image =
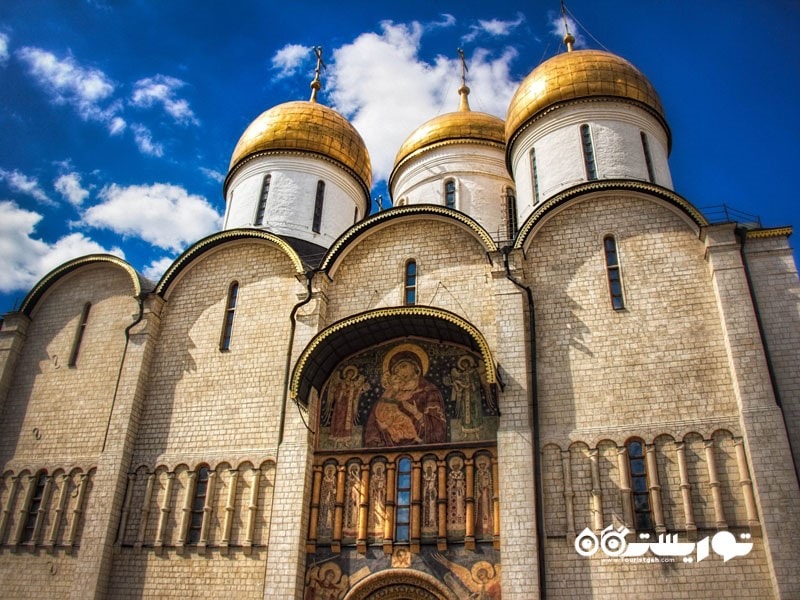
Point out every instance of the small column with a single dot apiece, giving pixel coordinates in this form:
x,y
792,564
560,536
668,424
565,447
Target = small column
x,y
164,514
441,504
7,507
713,483
186,512
686,491
625,485
41,512
311,543
230,507
148,497
338,514
252,510
208,511
77,511
126,509
655,488
495,505
363,511
744,483
469,502
569,493
416,505
597,494
23,510
61,503
388,524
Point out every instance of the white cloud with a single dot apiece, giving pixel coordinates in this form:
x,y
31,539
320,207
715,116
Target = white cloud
x,y
557,29
67,82
20,182
117,125
27,259
385,88
494,28
213,174
161,90
163,215
157,268
69,186
289,58
4,39
144,140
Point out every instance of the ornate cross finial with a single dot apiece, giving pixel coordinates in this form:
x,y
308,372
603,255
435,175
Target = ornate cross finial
x,y
463,91
316,85
464,68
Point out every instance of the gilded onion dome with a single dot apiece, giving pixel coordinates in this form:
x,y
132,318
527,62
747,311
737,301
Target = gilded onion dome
x,y
579,75
306,126
463,125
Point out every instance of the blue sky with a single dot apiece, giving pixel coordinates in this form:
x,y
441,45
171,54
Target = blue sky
x,y
118,118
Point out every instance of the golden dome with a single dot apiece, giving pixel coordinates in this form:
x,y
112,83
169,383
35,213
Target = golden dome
x,y
460,126
307,127
579,74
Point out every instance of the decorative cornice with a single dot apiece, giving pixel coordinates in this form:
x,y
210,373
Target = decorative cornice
x,y
44,284
606,186
219,238
388,313
402,211
754,234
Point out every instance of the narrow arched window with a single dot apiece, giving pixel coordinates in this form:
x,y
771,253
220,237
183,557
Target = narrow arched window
x,y
410,283
316,226
198,506
402,519
534,176
511,214
32,513
450,193
76,343
588,153
639,488
648,158
614,273
262,201
230,309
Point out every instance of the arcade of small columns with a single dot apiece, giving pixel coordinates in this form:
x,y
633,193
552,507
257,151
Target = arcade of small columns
x,y
447,461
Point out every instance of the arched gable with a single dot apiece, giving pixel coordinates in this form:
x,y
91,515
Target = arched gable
x,y
347,241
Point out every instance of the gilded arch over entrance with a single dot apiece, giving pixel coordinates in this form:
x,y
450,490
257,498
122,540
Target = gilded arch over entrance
x,y
399,584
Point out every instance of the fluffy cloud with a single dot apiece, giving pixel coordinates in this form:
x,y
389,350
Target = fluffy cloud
x,y
69,186
213,174
25,258
164,215
365,84
161,90
493,28
4,39
144,140
87,90
289,58
20,182
557,29
157,268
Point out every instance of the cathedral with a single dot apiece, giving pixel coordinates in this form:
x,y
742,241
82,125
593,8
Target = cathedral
x,y
542,373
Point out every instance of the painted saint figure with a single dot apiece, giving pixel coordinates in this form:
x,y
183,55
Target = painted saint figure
x,y
353,500
484,516
429,495
466,394
341,408
377,500
456,496
411,409
327,500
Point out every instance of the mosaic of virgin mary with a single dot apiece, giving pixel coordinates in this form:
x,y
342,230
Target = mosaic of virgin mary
x,y
411,410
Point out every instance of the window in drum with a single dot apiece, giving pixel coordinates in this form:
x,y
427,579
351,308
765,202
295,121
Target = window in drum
x,y
403,507
32,514
614,273
648,159
76,344
262,201
450,193
316,226
639,488
534,176
511,214
410,287
230,310
198,506
588,153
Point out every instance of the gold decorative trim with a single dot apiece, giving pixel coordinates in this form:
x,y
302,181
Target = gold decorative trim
x,y
604,186
754,234
49,279
401,311
215,239
400,211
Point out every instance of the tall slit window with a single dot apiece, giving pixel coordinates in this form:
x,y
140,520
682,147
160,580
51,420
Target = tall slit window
x,y
230,310
198,506
614,274
410,284
316,226
403,514
648,158
511,214
262,201
534,176
76,343
588,153
450,193
641,494
33,509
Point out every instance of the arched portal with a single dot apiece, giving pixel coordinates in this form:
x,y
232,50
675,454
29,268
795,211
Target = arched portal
x,y
399,585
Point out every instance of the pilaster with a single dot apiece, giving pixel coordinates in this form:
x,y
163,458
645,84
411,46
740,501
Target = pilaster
x,y
12,339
